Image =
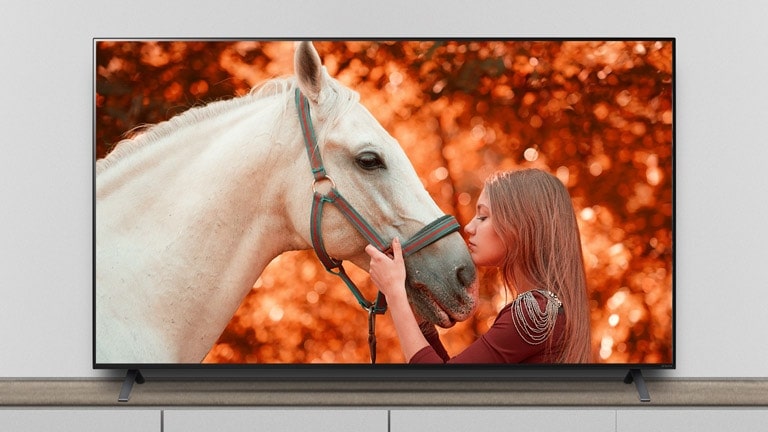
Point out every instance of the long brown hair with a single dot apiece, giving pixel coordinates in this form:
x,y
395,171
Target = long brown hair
x,y
533,215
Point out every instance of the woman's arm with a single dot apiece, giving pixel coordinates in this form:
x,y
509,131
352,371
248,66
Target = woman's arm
x,y
389,276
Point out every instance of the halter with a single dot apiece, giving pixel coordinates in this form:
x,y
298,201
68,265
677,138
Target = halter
x,y
429,234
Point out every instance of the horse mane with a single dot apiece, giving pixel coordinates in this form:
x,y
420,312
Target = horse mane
x,y
343,101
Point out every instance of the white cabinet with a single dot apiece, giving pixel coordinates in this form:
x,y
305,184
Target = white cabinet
x,y
80,420
275,420
694,420
503,419
316,419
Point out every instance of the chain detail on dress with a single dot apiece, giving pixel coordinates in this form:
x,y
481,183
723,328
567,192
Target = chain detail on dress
x,y
533,324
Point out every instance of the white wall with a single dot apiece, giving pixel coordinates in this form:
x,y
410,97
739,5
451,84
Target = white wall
x,y
46,139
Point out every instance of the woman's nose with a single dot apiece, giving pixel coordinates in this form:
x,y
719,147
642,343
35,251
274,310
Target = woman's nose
x,y
468,228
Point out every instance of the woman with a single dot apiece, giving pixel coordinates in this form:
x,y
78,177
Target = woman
x,y
526,226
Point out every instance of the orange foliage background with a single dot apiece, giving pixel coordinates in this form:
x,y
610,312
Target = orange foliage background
x,y
598,114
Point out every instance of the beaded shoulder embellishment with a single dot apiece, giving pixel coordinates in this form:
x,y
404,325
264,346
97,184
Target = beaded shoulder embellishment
x,y
533,324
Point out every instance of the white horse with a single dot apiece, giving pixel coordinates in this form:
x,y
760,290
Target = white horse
x,y
189,213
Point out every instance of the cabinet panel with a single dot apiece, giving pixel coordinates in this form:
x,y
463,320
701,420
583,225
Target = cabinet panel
x,y
540,420
695,420
275,420
85,420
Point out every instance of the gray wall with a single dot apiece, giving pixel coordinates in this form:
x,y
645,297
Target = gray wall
x,y
45,163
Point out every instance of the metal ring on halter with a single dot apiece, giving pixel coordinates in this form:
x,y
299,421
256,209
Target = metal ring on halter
x,y
319,180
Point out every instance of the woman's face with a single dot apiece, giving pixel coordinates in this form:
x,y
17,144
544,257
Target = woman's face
x,y
485,245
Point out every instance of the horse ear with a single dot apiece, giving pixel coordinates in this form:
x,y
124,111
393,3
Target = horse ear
x,y
309,70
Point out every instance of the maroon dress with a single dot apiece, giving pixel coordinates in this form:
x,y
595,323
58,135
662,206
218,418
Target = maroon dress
x,y
504,343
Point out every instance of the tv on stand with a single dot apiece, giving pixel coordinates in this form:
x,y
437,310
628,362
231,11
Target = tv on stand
x,y
237,182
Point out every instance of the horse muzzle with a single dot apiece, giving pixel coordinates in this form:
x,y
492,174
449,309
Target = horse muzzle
x,y
443,299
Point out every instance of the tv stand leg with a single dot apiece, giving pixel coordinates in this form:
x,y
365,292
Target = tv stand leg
x,y
132,376
636,376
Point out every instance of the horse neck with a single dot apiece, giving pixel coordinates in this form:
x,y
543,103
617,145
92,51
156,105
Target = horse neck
x,y
204,217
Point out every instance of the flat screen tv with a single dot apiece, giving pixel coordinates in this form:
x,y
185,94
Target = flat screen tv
x,y
218,164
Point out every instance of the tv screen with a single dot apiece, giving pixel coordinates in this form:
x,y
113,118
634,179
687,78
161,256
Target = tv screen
x,y
219,164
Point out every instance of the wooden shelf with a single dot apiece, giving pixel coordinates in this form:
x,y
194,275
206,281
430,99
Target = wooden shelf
x,y
385,394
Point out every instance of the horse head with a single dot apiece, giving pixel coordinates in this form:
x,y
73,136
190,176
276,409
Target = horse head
x,y
369,167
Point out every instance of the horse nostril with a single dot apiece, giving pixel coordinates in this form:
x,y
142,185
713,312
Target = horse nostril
x,y
465,275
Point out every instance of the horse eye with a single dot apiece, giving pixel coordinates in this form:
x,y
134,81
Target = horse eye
x,y
369,161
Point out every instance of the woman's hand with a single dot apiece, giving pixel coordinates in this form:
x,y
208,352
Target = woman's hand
x,y
388,273
389,276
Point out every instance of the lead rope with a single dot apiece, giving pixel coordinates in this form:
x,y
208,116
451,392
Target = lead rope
x,y
379,305
372,334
